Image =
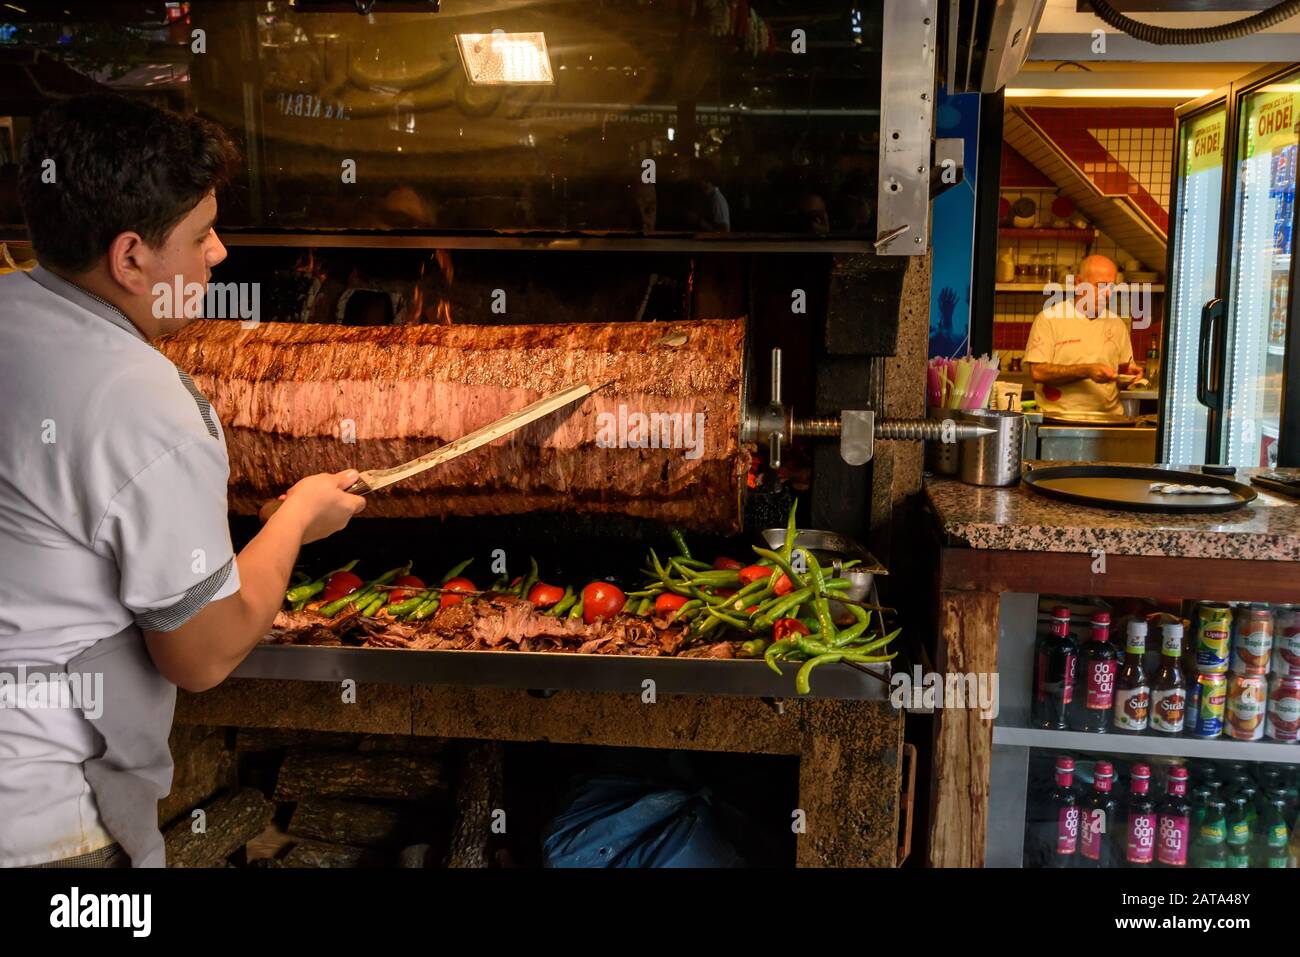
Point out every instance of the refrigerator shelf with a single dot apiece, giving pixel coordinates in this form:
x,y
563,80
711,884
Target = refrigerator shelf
x,y
1277,350
1224,749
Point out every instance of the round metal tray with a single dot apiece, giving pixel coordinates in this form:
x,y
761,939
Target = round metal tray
x,y
1089,418
1127,487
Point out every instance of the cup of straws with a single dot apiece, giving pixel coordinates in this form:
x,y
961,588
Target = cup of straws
x,y
951,385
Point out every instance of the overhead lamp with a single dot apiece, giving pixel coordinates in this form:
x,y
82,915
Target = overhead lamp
x,y
505,59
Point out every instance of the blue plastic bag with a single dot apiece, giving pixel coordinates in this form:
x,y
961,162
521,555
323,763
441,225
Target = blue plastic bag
x,y
615,821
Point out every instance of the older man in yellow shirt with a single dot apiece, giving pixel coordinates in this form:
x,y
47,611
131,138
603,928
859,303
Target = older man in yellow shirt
x,y
1078,347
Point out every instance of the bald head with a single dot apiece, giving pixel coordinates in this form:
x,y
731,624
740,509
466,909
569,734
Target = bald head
x,y
1093,285
1097,269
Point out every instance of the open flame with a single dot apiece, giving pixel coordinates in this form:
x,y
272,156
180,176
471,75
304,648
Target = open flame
x,y
441,312
308,265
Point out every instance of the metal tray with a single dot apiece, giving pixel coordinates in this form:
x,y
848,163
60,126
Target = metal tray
x,y
1127,488
556,671
1089,418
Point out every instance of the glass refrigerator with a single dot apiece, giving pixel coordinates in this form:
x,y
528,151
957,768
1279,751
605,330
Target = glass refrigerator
x,y
1231,390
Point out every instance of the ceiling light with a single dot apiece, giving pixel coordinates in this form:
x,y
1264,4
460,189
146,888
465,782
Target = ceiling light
x,y
1131,93
505,59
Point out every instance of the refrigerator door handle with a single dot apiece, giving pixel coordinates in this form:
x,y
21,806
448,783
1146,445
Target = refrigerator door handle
x,y
1207,348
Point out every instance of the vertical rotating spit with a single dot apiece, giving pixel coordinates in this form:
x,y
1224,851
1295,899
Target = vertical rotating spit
x,y
775,425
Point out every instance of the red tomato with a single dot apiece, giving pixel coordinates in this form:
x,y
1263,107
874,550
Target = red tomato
x,y
601,600
755,573
408,586
544,596
786,627
783,585
723,563
340,584
455,585
667,603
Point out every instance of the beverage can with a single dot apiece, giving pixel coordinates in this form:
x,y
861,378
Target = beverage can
x,y
1286,642
1283,719
1208,719
1213,638
1193,703
1252,645
1246,705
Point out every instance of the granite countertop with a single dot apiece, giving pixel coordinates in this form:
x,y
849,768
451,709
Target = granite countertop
x,y
1020,520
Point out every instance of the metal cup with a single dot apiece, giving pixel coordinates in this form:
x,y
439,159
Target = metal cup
x,y
941,458
992,460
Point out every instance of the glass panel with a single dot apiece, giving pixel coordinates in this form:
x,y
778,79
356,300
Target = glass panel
x,y
661,116
1196,244
1257,314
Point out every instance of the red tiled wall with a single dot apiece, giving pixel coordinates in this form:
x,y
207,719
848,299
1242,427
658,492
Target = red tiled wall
x,y
1068,128
1019,173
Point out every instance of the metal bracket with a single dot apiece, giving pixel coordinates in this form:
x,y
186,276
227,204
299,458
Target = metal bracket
x,y
906,126
857,436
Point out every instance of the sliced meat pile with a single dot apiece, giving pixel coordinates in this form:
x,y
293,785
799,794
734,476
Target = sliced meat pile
x,y
500,622
660,442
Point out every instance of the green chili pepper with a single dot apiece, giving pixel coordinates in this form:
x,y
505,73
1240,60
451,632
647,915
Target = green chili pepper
x,y
308,590
801,680
644,607
754,647
372,607
795,578
500,584
576,610
787,604
404,608
365,592
791,533
680,542
427,608
530,579
812,647
823,610
561,606
736,623
778,649
456,570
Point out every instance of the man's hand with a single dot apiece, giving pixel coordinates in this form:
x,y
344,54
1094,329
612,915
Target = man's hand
x,y
1100,372
1132,368
319,505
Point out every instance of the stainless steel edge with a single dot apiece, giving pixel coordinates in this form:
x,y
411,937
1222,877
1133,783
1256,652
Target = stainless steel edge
x,y
618,674
907,90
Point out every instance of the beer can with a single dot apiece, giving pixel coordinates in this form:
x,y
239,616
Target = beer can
x,y
1286,642
1252,644
1209,716
1247,703
1284,709
1213,638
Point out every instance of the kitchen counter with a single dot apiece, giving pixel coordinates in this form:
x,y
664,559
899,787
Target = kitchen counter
x,y
1016,519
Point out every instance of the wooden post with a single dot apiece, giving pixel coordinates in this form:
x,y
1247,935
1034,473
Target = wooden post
x,y
963,741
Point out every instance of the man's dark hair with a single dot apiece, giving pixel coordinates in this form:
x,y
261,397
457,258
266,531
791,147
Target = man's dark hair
x,y
119,165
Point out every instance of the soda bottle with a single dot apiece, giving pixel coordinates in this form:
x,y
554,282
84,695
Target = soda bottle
x,y
1140,843
1239,832
1056,659
1094,693
1064,811
1097,818
1211,840
1272,851
1175,825
1132,690
1168,690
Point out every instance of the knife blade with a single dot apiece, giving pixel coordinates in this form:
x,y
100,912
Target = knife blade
x,y
372,480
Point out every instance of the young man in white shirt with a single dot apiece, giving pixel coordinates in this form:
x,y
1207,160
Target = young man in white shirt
x,y
1077,348
118,570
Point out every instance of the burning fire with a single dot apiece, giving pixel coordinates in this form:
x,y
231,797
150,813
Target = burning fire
x,y
442,311
308,266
